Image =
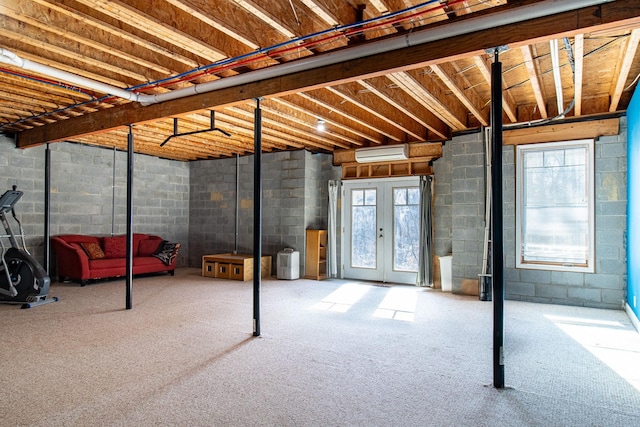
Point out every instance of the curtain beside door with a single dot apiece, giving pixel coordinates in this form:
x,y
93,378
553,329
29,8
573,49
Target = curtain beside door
x,y
332,257
425,261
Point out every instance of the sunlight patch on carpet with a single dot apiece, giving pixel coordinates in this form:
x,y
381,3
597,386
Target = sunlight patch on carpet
x,y
343,298
399,304
611,342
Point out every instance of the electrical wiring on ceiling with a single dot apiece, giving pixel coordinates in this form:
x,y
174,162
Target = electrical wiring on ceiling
x,y
264,54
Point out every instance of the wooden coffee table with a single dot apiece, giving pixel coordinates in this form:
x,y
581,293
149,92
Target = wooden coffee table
x,y
233,266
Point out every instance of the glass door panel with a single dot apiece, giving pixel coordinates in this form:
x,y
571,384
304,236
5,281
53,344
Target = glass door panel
x,y
363,228
406,227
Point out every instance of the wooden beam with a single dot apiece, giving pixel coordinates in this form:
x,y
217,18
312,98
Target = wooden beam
x,y
508,103
625,67
57,52
431,95
213,21
469,98
329,119
122,11
41,19
385,89
96,24
578,54
355,94
562,132
534,79
607,15
332,101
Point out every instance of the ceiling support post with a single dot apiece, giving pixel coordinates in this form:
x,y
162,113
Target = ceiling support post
x,y
257,217
497,258
47,209
129,265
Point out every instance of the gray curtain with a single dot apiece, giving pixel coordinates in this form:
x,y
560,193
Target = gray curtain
x,y
332,258
425,265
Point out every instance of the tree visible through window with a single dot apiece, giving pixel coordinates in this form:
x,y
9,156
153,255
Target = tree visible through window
x,y
406,228
554,213
363,228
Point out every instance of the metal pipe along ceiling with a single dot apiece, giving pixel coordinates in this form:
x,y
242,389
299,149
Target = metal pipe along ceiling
x,y
493,20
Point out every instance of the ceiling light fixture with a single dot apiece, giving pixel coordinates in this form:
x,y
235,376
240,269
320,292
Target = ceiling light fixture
x,y
320,125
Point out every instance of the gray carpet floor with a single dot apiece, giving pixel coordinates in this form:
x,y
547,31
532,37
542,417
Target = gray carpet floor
x,y
331,353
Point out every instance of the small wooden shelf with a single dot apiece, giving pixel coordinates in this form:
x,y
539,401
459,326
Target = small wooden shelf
x,y
409,167
316,255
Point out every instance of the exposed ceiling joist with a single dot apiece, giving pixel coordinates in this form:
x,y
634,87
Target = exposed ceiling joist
x,y
441,86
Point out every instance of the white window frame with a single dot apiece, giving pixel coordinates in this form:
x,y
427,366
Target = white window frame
x,y
589,265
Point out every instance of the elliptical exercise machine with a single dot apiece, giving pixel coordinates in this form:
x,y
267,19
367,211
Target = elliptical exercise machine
x,y
22,278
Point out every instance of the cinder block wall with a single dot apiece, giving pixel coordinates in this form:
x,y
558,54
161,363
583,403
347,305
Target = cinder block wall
x,y
442,214
25,168
606,288
88,192
294,198
467,211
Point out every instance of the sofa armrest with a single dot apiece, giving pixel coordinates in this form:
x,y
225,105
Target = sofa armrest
x,y
72,261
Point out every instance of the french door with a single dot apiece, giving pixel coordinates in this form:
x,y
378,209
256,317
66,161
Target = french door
x,y
381,229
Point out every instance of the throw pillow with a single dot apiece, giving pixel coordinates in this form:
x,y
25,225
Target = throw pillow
x,y
93,250
115,247
148,247
167,252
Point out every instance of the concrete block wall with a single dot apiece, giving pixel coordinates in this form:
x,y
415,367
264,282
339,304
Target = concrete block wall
x,y
25,168
292,201
467,212
606,288
88,192
316,194
442,214
464,204
212,207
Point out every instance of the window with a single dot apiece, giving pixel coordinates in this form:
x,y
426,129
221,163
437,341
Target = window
x,y
364,234
554,206
406,228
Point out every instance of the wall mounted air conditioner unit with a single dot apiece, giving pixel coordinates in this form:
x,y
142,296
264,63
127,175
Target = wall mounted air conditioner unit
x,y
384,153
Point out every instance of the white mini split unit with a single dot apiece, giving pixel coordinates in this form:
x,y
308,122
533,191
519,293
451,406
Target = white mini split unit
x,y
384,153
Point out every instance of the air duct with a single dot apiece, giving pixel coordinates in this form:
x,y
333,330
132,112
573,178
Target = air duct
x,y
11,58
385,153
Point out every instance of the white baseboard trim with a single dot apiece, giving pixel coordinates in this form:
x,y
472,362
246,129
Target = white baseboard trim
x,y
633,317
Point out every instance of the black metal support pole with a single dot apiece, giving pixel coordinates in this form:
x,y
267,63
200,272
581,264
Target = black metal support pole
x,y
257,217
129,218
47,209
497,260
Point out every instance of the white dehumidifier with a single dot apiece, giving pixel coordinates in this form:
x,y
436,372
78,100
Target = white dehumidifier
x,y
288,264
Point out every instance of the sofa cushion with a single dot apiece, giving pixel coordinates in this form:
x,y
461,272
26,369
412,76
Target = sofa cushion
x,y
167,252
148,247
107,263
115,247
146,260
92,249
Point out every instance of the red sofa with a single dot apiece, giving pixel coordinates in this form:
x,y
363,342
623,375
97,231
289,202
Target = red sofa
x,y
82,257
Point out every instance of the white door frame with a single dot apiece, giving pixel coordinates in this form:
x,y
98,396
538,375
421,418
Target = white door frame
x,y
384,213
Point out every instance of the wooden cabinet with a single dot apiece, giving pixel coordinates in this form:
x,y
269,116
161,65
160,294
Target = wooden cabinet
x,y
316,255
